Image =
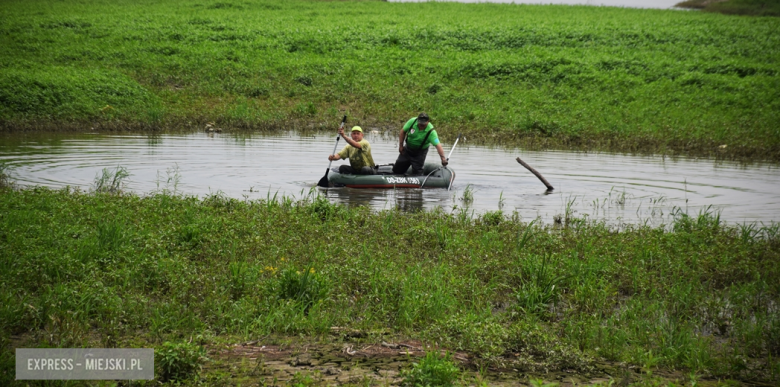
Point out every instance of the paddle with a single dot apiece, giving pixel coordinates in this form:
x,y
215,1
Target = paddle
x,y
448,158
443,166
453,147
324,181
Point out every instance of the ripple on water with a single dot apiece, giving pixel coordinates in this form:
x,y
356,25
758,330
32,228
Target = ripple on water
x,y
613,187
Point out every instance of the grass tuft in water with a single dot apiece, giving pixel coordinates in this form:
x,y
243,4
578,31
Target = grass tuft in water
x,y
468,195
108,181
5,176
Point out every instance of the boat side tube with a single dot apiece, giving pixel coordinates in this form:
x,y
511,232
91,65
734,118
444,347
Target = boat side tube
x,y
434,176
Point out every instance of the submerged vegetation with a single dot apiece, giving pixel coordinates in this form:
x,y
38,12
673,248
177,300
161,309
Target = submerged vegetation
x,y
107,269
561,76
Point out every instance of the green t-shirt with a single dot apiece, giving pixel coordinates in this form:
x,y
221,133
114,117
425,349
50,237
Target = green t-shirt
x,y
415,136
358,157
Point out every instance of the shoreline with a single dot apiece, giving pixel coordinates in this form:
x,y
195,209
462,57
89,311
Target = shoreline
x,y
168,271
584,78
607,143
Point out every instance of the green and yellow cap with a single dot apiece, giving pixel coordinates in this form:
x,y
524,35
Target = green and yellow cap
x,y
357,129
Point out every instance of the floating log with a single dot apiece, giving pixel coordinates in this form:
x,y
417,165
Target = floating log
x,y
539,175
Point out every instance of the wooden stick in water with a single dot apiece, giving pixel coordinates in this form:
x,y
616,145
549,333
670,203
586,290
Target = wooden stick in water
x,y
539,175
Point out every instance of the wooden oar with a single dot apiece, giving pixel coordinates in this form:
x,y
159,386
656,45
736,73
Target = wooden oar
x,y
539,175
324,181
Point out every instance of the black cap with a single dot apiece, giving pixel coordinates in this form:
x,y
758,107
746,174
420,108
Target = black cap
x,y
423,117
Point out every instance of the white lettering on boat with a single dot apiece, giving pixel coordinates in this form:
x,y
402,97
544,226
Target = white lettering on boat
x,y
402,180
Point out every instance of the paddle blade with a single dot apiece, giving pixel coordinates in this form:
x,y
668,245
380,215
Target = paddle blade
x,y
324,181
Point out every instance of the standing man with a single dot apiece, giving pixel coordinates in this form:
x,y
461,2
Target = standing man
x,y
358,151
419,135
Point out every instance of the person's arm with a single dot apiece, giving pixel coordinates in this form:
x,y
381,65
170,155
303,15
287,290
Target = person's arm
x,y
349,140
401,138
343,154
440,149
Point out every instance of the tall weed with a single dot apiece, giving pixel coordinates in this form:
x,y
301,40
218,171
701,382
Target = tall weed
x,y
540,285
178,361
307,287
432,370
108,181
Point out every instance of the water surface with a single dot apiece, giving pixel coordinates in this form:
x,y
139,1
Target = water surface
x,y
613,187
664,4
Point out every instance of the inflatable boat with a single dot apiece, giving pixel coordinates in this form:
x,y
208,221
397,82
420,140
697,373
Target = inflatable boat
x,y
433,176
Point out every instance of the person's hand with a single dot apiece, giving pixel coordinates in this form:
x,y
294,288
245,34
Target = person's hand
x,y
332,157
444,161
401,149
341,131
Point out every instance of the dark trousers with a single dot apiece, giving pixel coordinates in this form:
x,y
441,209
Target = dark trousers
x,y
348,170
409,157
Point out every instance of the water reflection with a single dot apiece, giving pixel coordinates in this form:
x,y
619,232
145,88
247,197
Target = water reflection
x,y
409,200
358,197
611,187
154,140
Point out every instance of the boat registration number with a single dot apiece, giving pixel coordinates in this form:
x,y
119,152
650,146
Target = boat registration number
x,y
402,180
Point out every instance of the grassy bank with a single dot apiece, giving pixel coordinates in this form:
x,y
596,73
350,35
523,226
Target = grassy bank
x,y
735,7
109,270
557,76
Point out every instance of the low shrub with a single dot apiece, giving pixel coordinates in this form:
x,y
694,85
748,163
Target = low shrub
x,y
540,285
306,287
178,361
433,370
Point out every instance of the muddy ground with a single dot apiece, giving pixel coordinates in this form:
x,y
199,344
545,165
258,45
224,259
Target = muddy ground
x,y
380,362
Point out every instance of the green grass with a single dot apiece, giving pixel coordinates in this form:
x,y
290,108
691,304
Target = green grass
x,y
178,361
432,370
560,76
107,270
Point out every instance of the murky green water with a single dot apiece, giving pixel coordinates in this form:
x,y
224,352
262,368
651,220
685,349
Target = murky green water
x,y
616,188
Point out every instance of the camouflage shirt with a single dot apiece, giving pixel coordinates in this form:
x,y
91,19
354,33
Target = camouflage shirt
x,y
358,157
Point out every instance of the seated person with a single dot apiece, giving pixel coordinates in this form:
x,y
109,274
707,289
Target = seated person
x,y
358,151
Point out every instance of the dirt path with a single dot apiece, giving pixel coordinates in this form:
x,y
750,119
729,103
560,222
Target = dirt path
x,y
254,363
